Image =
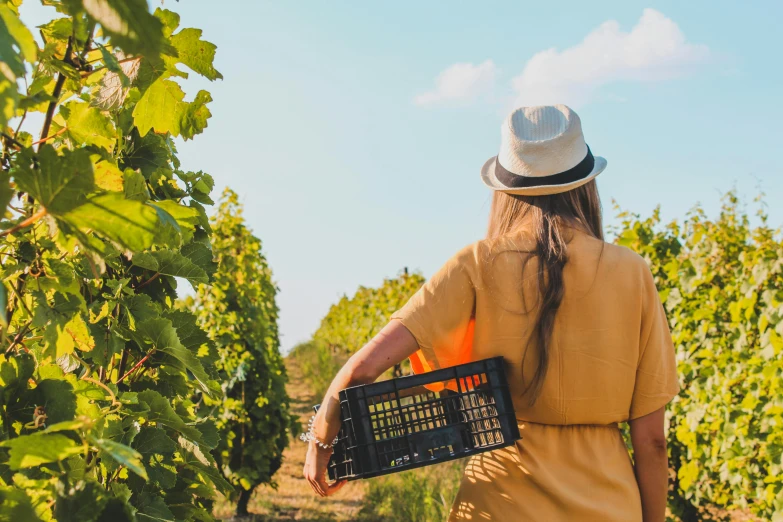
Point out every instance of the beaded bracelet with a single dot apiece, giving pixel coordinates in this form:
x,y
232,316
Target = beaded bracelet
x,y
310,435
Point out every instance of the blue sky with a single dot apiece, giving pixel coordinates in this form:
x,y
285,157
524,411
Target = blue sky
x,y
354,131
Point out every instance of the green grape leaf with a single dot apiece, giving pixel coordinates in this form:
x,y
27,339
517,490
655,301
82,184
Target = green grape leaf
x,y
16,370
201,255
212,473
57,398
184,221
107,176
162,110
129,223
16,506
151,441
116,510
16,44
146,153
129,24
81,503
87,125
169,232
107,344
71,425
122,431
135,186
141,307
200,185
161,412
34,101
195,116
59,29
59,183
170,20
162,472
29,451
152,508
171,263
121,491
163,337
9,98
190,334
209,433
196,53
122,454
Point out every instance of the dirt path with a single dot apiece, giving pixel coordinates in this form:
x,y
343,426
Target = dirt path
x,y
294,500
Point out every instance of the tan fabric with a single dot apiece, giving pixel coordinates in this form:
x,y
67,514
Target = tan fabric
x,y
611,359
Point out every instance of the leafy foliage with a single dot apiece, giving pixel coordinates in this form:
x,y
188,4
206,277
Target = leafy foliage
x,y
101,377
239,312
721,281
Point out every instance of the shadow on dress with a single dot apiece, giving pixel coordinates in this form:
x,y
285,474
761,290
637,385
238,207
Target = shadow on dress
x,y
487,467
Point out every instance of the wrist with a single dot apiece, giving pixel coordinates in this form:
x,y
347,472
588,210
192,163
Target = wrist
x,y
320,448
311,438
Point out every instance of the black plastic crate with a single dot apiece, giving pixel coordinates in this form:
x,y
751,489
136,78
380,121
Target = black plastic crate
x,y
423,419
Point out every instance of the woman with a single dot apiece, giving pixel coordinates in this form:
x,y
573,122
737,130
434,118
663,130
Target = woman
x,y
579,323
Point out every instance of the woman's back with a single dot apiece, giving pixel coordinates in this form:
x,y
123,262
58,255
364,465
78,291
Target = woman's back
x,y
610,360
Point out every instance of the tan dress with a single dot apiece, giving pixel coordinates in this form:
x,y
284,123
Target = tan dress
x,y
611,360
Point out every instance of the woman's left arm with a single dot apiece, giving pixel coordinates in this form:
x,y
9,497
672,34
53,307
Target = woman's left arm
x,y
391,346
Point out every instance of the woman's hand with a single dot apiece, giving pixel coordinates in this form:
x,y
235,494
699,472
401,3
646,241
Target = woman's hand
x,y
315,470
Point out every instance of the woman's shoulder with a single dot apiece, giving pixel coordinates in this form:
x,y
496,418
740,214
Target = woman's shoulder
x,y
616,258
483,249
583,247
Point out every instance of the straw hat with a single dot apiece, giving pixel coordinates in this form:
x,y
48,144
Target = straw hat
x,y
542,151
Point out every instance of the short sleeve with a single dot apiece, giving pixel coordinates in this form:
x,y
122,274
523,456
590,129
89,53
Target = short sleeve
x,y
439,315
656,374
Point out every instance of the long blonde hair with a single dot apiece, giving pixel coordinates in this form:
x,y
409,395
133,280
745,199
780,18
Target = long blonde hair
x,y
547,218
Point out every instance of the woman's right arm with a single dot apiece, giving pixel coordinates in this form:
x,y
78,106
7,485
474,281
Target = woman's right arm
x,y
651,464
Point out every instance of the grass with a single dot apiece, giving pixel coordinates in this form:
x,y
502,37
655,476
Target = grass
x,y
420,495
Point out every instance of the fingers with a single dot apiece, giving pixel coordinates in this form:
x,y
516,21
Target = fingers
x,y
333,488
311,478
315,473
325,489
316,485
320,486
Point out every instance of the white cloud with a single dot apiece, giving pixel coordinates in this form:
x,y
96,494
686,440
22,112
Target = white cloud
x,y
462,82
654,49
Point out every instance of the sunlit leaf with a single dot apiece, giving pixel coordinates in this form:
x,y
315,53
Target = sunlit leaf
x,y
122,454
196,53
87,125
29,451
162,110
130,223
129,24
16,44
58,182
